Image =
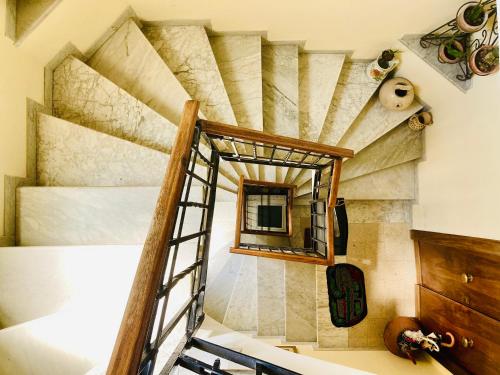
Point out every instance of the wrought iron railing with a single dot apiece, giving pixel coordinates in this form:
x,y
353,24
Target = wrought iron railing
x,y
471,42
191,312
157,330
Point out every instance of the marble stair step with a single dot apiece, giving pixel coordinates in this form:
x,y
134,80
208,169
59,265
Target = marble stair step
x,y
300,297
372,129
354,90
280,89
73,155
59,344
97,215
271,305
395,183
373,123
187,52
398,180
318,76
241,312
53,277
129,60
81,335
239,59
83,96
399,146
220,285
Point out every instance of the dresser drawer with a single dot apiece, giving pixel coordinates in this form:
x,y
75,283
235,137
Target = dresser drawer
x,y
441,314
469,277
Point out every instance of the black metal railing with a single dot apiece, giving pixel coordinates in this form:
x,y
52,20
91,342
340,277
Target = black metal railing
x,y
200,367
191,312
175,319
287,250
235,149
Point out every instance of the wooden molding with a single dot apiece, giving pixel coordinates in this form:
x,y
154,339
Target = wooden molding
x,y
136,320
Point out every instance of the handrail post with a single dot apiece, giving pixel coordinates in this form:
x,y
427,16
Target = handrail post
x,y
131,338
239,208
330,210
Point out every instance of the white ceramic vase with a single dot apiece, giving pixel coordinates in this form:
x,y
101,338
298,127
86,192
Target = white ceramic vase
x,y
396,94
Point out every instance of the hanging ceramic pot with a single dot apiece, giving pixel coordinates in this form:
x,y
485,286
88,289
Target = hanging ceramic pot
x,y
396,94
420,120
471,17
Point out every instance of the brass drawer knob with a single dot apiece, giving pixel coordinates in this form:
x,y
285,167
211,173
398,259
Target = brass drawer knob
x,y
467,343
467,278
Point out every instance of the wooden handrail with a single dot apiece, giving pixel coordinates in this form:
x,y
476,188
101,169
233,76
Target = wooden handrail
x,y
216,128
288,257
129,344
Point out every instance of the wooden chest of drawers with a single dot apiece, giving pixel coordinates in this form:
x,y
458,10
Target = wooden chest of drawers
x,y
459,292
478,336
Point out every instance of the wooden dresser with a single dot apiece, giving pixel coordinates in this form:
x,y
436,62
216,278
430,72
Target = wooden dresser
x,y
459,291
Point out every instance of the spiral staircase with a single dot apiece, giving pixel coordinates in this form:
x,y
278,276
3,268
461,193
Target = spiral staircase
x,y
102,143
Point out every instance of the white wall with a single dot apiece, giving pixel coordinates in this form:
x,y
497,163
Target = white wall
x,y
459,176
459,179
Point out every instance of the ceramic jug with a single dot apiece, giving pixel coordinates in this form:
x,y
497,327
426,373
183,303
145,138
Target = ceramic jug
x,y
396,94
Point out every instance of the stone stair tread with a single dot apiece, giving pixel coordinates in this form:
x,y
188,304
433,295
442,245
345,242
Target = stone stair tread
x,y
186,50
81,336
374,185
35,274
354,90
280,89
397,183
373,130
318,76
73,155
396,147
241,312
52,350
300,290
373,122
271,304
85,97
130,61
239,60
95,215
